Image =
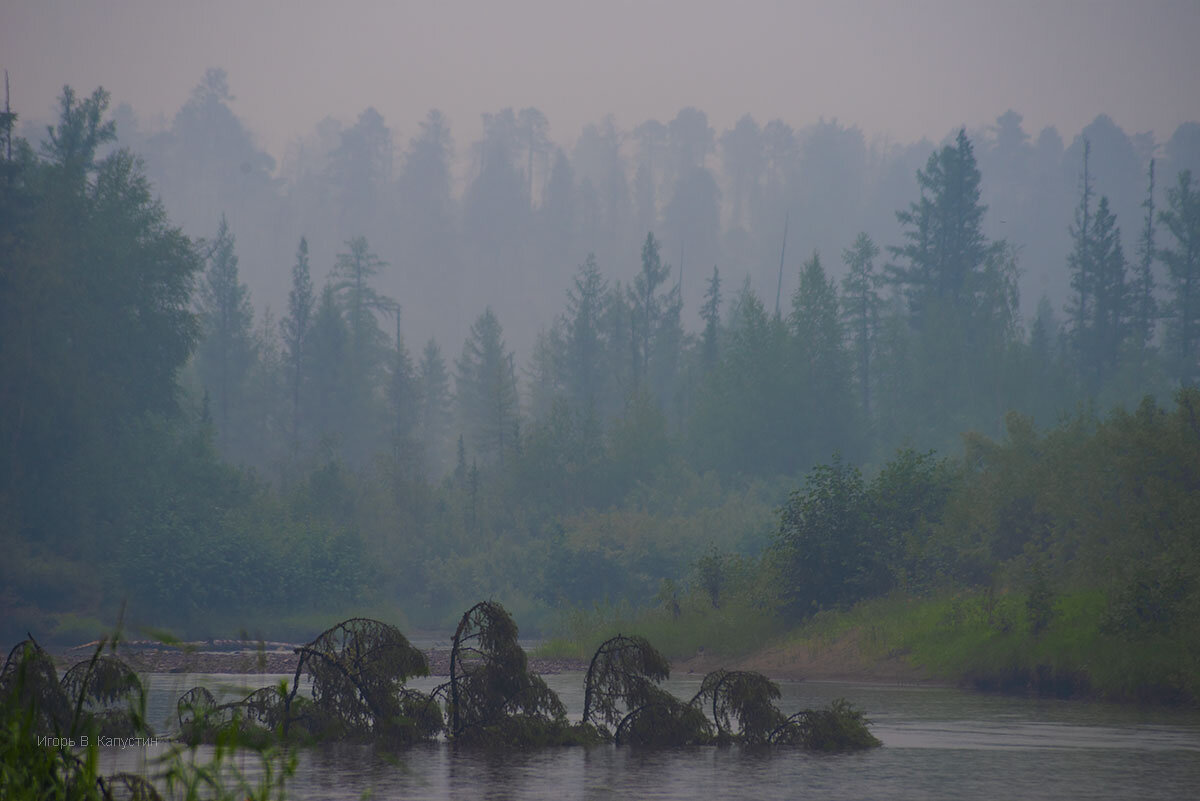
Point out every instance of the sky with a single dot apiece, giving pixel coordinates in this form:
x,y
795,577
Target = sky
x,y
898,70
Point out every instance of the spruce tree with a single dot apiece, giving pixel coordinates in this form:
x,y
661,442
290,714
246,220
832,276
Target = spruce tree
x,y
646,307
1145,306
486,389
295,328
227,349
946,249
710,313
860,309
1182,220
433,426
584,340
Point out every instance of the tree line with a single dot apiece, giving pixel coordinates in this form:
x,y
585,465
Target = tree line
x,y
166,443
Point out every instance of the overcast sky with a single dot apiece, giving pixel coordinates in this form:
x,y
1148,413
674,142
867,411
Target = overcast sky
x,y
897,69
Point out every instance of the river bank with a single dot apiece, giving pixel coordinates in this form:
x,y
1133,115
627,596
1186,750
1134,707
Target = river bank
x,y
238,656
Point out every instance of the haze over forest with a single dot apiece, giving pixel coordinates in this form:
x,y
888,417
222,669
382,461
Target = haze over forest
x,y
756,317
838,108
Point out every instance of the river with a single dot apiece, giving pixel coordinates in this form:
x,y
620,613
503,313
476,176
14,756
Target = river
x,y
938,743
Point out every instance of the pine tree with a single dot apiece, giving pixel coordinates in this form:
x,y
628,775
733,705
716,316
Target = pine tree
x,y
1080,311
1110,325
947,250
820,363
366,346
351,277
646,307
1145,306
486,389
227,349
861,309
328,348
1182,220
405,406
433,426
710,313
295,328
1100,310
584,341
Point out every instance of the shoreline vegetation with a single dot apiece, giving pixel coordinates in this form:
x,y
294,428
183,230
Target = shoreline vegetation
x,y
356,672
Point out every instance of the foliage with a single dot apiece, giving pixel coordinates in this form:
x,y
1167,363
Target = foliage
x,y
1182,220
623,674
492,696
38,762
663,721
841,727
741,704
358,669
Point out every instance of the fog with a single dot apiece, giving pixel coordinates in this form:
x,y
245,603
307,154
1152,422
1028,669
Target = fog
x,y
847,102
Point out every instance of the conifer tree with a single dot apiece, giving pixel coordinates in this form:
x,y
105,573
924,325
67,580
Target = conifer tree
x,y
946,249
584,340
227,349
433,426
646,307
295,328
820,363
1182,220
860,309
486,389
1145,306
710,312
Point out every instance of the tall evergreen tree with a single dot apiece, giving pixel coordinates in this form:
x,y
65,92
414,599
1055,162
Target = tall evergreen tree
x,y
1110,325
227,349
95,322
820,363
585,344
486,390
295,328
546,370
1100,308
946,249
352,274
861,310
403,398
352,279
646,307
710,313
329,346
1079,262
433,426
1145,305
1182,220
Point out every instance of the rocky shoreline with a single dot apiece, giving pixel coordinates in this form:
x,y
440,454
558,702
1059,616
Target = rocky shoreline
x,y
235,657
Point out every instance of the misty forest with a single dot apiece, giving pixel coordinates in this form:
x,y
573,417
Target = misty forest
x,y
705,386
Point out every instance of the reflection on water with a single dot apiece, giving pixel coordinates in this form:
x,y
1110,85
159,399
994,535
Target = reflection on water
x,y
938,743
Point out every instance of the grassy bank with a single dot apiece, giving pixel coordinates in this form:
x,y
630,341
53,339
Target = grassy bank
x,y
981,640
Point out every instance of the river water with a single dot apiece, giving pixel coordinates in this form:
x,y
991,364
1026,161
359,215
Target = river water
x,y
938,743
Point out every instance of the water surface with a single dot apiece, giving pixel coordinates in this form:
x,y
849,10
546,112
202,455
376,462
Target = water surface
x,y
938,743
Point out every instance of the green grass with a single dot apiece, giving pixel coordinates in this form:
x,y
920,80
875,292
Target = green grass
x,y
988,642
971,638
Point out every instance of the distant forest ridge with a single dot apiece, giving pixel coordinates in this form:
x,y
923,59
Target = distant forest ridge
x,y
504,221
